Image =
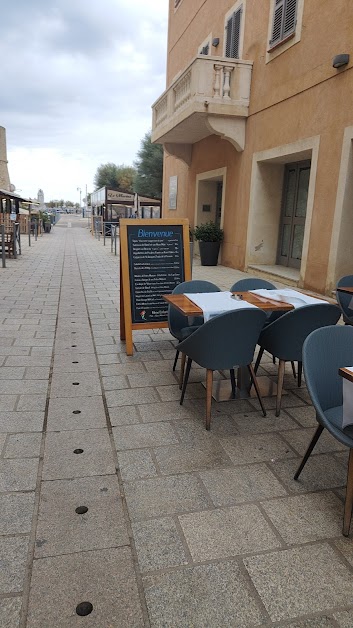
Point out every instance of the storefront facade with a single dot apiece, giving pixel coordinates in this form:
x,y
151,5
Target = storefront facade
x,y
257,128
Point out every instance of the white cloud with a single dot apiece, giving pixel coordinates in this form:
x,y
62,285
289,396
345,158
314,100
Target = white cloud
x,y
80,87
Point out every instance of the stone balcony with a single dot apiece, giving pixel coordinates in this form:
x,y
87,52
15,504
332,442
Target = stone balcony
x,y
210,97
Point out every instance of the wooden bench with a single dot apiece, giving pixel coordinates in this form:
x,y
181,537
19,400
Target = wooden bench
x,y
9,243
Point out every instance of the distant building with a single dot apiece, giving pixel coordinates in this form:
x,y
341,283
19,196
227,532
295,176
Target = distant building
x,y
114,203
4,173
257,127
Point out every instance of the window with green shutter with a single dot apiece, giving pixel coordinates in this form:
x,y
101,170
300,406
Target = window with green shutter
x,y
284,20
233,35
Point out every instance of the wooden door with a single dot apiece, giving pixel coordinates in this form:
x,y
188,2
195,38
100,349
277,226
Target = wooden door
x,y
294,203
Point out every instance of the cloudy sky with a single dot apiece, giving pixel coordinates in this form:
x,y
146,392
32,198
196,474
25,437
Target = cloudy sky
x,y
79,78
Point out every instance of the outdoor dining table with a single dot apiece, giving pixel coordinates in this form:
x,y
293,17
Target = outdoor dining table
x,y
346,289
221,388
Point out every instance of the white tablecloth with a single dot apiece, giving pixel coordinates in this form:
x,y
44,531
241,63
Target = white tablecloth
x,y
215,303
347,400
295,298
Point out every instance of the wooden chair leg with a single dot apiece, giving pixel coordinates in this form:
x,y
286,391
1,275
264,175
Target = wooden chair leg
x,y
258,359
232,379
300,372
254,381
209,384
182,369
176,359
186,379
312,444
281,368
293,369
348,504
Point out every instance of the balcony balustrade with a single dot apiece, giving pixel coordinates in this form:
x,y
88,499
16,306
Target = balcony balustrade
x,y
211,96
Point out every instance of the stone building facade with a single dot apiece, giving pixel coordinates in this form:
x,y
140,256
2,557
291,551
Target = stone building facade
x,y
257,126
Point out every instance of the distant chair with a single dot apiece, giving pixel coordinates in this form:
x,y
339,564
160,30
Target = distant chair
x,y
225,341
324,352
252,283
179,325
284,337
344,299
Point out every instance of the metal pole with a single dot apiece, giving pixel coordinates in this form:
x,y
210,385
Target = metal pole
x,y
104,225
14,241
116,232
111,238
29,226
2,227
35,230
19,238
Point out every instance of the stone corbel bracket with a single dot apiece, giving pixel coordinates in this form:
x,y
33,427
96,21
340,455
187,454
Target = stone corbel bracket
x,y
181,151
228,128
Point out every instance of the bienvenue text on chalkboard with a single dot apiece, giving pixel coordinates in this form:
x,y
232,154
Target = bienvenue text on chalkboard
x,y
156,265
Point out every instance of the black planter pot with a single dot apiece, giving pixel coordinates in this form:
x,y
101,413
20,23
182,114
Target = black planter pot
x,y
209,252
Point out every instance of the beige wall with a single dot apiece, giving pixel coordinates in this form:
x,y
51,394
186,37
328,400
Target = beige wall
x,y
294,97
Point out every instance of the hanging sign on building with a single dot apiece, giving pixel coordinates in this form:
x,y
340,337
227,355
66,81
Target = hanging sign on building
x,y
123,197
154,258
173,190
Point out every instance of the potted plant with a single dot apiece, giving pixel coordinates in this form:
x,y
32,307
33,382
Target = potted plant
x,y
209,236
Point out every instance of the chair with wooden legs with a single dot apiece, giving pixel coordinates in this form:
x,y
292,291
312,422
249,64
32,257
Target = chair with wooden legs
x,y
284,337
225,341
324,352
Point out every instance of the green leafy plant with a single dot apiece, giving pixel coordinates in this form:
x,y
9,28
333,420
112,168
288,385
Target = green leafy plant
x,y
208,232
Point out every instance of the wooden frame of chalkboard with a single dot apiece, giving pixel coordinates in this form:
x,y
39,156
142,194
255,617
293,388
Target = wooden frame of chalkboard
x,y
154,258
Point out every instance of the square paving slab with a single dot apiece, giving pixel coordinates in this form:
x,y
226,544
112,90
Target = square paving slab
x,y
76,413
302,580
13,552
207,595
163,496
227,532
106,581
93,457
62,530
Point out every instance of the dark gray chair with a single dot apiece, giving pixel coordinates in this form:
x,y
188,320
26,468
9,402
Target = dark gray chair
x,y
255,283
179,325
251,283
284,337
225,341
324,352
344,299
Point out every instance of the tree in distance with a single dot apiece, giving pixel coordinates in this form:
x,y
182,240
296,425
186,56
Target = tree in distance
x,y
149,169
114,176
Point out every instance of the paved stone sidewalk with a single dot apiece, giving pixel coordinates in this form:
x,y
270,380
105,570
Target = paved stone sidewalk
x,y
113,494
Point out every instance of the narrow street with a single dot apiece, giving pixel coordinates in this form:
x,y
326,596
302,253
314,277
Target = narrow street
x,y
117,509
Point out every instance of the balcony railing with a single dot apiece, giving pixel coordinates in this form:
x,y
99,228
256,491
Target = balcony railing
x,y
208,87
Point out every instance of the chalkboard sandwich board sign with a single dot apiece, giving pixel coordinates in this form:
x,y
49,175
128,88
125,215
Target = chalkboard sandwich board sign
x,y
154,258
